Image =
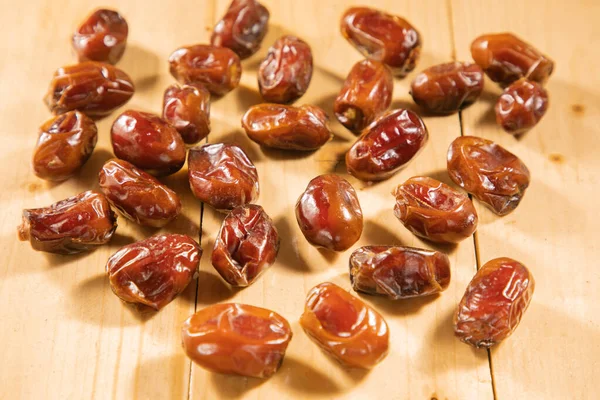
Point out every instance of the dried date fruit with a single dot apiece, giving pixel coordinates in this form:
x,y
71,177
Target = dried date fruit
x,y
242,28
139,196
521,106
488,171
284,127
237,339
387,145
382,37
285,73
148,142
446,88
399,272
70,226
434,211
217,68
101,37
329,214
151,272
187,108
366,94
64,144
222,176
94,88
247,244
506,58
494,302
345,327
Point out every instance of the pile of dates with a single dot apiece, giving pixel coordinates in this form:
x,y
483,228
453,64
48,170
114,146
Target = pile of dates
x,y
243,339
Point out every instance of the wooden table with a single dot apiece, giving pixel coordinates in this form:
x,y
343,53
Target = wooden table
x,y
64,334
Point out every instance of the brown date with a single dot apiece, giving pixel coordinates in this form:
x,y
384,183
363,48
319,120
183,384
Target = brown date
x,y
382,37
148,142
284,127
506,58
488,171
329,214
187,108
446,88
366,94
246,245
222,176
345,327
521,106
71,226
285,73
434,211
399,272
387,145
237,339
101,37
94,88
139,196
242,28
217,68
494,302
151,272
64,144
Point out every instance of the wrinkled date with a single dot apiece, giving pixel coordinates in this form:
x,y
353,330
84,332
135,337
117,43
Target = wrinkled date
x,y
70,226
521,106
382,37
222,176
366,94
246,245
387,145
399,272
94,88
242,28
284,75
139,196
284,127
153,271
64,144
434,211
488,171
217,68
446,88
345,327
148,142
187,108
494,302
237,339
101,37
329,214
505,58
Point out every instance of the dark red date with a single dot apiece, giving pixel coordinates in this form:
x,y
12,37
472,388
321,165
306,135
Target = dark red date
x,y
284,127
71,226
284,75
494,302
187,108
64,144
151,272
521,106
101,37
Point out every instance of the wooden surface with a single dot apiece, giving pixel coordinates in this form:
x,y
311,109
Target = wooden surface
x,y
66,336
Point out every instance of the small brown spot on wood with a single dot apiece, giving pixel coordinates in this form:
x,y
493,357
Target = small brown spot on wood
x,y
208,28
556,158
434,398
33,187
578,109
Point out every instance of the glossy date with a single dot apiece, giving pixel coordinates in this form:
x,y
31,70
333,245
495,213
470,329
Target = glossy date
x,y
284,127
521,106
399,272
488,171
345,327
433,210
101,37
237,339
187,108
494,302
151,272
70,226
64,144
